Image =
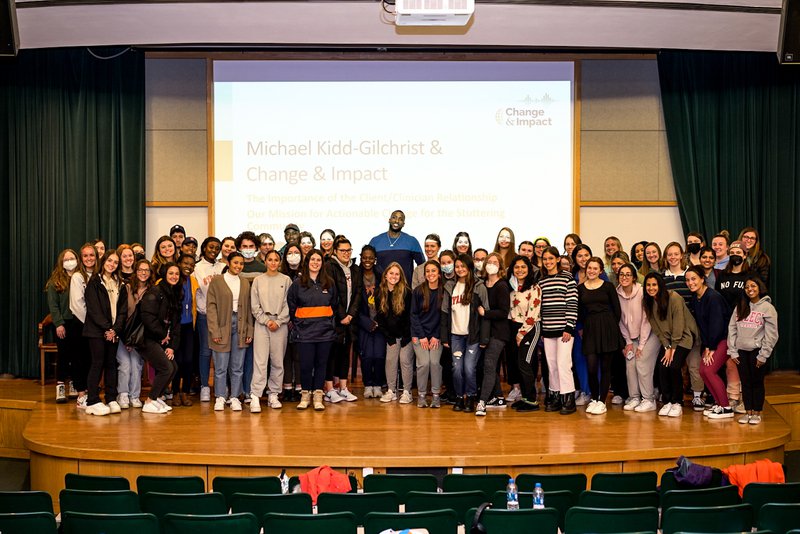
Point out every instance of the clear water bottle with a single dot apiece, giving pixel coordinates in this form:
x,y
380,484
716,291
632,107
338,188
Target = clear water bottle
x,y
538,496
512,495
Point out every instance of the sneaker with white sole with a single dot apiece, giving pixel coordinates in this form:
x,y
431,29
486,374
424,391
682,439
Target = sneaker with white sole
x,y
709,410
345,394
754,419
676,410
81,402
616,399
389,396
632,403
645,406
272,401
367,392
739,408
205,394
718,412
114,407
514,395
332,396
496,403
665,409
219,404
406,397
153,407
436,401
422,401
480,409
136,402
73,393
698,404
583,399
591,406
255,404
236,405
61,393
164,404
124,401
97,408
743,420
600,408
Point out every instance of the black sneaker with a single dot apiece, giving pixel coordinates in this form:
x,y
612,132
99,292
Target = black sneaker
x,y
495,403
469,406
459,405
517,404
528,406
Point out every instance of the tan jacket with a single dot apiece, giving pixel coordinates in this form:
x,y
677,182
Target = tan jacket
x,y
219,304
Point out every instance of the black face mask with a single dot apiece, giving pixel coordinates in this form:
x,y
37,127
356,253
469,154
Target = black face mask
x,y
138,256
736,260
693,248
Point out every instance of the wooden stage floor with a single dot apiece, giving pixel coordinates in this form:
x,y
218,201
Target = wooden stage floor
x,y
369,434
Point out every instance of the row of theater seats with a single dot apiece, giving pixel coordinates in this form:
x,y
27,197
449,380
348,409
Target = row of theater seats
x,y
627,502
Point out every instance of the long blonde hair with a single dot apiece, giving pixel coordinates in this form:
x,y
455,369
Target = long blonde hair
x,y
398,293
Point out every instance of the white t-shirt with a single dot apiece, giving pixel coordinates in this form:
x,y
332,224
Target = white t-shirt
x,y
459,324
235,284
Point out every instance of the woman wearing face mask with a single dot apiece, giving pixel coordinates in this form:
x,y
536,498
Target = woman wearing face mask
x,y
447,260
611,245
129,361
57,289
371,343
600,311
230,329
641,345
720,245
637,254
307,243
77,305
426,303
106,312
206,269
138,251
559,316
570,242
126,260
752,335
676,329
292,258
654,262
290,266
694,242
166,252
160,310
462,244
505,246
730,282
431,247
479,259
757,259
393,305
227,246
711,313
326,242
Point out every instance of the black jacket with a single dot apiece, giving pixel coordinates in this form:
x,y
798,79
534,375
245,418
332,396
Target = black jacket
x,y
160,312
342,309
98,309
395,326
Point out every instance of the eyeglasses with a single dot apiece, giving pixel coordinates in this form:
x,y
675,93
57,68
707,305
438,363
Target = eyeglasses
x,y
624,275
749,237
143,271
345,250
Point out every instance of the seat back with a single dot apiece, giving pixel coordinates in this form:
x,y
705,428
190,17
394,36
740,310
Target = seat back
x,y
668,482
582,520
736,518
612,499
434,521
295,481
244,523
757,494
488,483
92,482
260,505
28,523
559,500
459,501
99,501
779,517
641,481
337,523
574,482
147,483
256,485
12,502
400,484
722,496
359,503
501,521
161,504
82,523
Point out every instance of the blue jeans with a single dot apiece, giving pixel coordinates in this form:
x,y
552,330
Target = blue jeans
x,y
205,353
247,370
465,365
129,371
229,362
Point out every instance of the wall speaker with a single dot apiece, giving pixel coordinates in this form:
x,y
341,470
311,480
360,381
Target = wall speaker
x,y
9,35
789,40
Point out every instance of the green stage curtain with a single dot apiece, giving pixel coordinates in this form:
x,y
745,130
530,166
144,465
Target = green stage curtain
x,y
733,128
71,170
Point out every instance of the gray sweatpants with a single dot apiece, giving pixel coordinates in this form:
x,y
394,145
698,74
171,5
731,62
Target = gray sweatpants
x,y
639,371
406,357
268,349
428,361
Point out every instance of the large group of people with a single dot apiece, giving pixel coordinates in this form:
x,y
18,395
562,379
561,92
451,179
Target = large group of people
x,y
290,325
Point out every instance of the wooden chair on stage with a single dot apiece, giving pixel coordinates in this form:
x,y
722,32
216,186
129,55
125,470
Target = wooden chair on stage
x,y
359,503
260,505
256,485
607,520
400,484
28,523
613,499
561,500
779,517
46,348
25,501
488,483
91,482
435,521
338,523
502,521
83,523
99,502
574,482
641,481
242,523
736,518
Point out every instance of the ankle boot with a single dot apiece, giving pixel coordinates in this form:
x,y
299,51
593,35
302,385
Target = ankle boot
x,y
469,407
555,402
176,400
568,404
185,399
318,405
305,400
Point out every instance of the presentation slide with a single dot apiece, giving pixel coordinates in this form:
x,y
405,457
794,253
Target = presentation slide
x,y
458,146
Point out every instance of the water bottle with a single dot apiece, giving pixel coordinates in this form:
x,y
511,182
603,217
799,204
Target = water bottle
x,y
512,496
538,496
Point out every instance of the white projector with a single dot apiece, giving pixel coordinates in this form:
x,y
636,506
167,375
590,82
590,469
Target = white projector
x,y
433,12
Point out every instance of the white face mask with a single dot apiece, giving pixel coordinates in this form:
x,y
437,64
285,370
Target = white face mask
x,y
306,242
504,238
70,265
462,242
491,268
293,260
478,265
326,237
249,253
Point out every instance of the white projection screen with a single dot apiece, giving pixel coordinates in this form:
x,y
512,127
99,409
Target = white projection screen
x,y
457,145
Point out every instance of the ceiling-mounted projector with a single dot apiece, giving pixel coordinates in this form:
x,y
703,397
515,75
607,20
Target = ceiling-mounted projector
x,y
433,12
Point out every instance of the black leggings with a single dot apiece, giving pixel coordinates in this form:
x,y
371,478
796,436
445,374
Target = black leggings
x,y
339,361
184,358
752,380
599,389
69,350
512,368
490,384
670,377
165,368
104,361
527,360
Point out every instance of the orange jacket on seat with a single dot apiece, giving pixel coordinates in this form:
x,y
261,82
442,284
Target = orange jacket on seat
x,y
758,471
323,479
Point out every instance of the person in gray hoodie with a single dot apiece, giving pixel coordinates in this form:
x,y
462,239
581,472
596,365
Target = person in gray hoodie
x,y
752,334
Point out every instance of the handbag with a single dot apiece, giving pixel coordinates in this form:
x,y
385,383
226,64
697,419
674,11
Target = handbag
x,y
133,333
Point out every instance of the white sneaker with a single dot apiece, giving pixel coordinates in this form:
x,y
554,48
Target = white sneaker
x,y
676,410
389,396
81,403
616,399
583,399
754,419
345,394
124,401
743,420
255,404
739,408
98,408
273,402
153,407
61,393
665,409
164,404
205,394
367,392
73,393
632,403
236,406
406,397
718,412
645,406
333,397
480,410
697,404
136,402
114,407
514,395
600,408
219,404
591,406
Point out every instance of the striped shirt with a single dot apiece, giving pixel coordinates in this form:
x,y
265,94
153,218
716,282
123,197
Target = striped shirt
x,y
559,309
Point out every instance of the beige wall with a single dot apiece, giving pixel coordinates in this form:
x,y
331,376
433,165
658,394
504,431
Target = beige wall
x,y
623,151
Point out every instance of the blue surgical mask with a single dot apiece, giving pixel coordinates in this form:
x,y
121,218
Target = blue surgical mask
x,y
448,269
